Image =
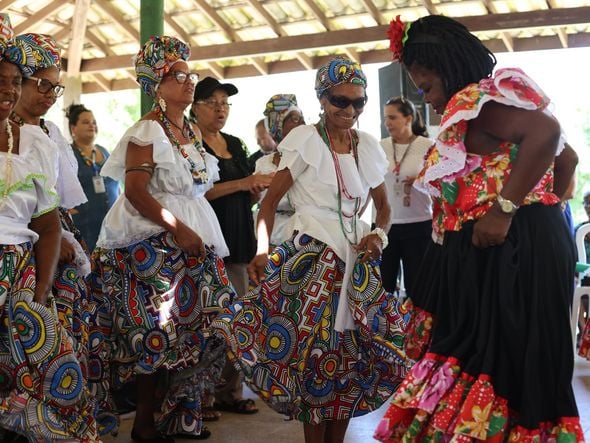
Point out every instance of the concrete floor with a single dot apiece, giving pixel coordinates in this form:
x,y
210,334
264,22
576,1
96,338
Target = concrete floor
x,y
268,426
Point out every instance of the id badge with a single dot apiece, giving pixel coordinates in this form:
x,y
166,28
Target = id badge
x,y
398,188
98,183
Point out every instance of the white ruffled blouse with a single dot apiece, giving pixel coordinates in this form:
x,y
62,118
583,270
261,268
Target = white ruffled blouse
x,y
314,194
31,185
171,185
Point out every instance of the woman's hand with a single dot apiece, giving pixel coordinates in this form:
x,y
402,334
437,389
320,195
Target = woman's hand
x,y
372,246
256,183
190,242
256,268
491,229
67,252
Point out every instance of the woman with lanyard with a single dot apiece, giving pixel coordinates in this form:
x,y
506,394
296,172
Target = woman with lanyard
x,y
159,275
43,395
101,191
41,62
411,210
319,339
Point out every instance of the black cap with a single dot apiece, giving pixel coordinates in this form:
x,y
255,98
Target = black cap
x,y
208,85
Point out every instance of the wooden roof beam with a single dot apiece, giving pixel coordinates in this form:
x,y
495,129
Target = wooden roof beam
x,y
98,43
319,15
563,38
212,14
77,41
269,19
260,65
430,7
5,4
352,54
343,38
40,15
305,60
104,84
177,28
375,13
115,14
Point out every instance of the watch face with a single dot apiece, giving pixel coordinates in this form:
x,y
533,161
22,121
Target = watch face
x,y
506,206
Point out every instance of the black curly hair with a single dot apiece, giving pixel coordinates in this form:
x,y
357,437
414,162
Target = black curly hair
x,y
447,47
73,114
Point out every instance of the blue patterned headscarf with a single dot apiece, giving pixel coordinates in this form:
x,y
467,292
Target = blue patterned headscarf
x,y
33,52
155,59
337,71
277,108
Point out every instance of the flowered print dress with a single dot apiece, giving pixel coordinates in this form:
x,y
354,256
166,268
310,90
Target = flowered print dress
x,y
490,327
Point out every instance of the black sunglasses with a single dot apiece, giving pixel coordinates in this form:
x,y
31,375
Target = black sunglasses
x,y
344,102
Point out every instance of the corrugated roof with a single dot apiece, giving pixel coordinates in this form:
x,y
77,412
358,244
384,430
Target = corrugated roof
x,y
235,38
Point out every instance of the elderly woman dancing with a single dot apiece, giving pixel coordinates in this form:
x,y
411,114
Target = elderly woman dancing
x,y
43,395
158,272
319,338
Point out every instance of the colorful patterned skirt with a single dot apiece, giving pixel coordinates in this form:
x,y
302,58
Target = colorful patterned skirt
x,y
281,335
43,394
584,350
495,323
154,308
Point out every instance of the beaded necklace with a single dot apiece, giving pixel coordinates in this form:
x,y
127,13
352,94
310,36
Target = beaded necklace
x,y
8,168
21,121
342,191
200,176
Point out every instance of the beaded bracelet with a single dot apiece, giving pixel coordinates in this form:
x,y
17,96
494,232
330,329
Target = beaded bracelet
x,y
382,236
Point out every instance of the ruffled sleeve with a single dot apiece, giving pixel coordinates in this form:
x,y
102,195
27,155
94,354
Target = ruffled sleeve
x,y
372,160
297,152
68,186
511,87
142,133
46,161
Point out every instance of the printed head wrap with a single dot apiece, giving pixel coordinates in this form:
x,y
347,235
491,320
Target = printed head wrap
x,y
337,71
6,35
277,108
155,59
33,52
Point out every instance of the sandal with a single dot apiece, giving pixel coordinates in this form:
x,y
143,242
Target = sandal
x,y
242,406
210,414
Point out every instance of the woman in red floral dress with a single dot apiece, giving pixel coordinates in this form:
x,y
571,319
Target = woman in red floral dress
x,y
490,329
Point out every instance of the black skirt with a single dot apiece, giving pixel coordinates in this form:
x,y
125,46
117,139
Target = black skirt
x,y
503,311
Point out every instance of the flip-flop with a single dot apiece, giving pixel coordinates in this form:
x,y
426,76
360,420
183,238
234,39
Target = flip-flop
x,y
238,406
209,413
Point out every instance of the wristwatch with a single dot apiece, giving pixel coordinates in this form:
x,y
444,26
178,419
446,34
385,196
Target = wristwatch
x,y
506,206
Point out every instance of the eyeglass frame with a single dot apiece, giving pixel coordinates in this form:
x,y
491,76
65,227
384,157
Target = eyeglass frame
x,y
57,89
333,100
295,118
187,75
214,104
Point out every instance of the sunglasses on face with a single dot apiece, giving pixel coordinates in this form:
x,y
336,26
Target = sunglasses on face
x,y
44,86
181,77
344,102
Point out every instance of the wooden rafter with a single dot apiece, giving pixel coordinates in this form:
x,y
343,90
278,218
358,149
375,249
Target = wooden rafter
x,y
40,15
5,4
269,19
104,84
319,15
375,13
115,14
212,14
77,41
430,7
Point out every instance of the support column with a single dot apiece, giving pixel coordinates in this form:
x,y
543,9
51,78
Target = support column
x,y
151,22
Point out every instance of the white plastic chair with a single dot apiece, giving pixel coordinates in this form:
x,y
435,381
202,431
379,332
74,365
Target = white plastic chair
x,y
580,290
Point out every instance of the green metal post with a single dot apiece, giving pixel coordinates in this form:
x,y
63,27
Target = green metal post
x,y
151,22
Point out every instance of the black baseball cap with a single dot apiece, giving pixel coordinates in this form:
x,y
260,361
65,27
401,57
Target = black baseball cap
x,y
208,85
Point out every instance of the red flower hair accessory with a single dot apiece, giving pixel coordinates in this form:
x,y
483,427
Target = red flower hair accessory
x,y
398,34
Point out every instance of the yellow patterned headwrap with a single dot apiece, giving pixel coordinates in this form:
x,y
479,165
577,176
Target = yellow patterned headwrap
x,y
337,71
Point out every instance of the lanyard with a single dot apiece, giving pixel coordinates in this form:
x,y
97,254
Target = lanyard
x,y
398,165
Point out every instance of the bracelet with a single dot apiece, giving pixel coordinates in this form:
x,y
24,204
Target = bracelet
x,y
382,236
144,167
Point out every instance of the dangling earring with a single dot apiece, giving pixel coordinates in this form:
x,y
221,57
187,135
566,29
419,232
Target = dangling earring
x,y
162,104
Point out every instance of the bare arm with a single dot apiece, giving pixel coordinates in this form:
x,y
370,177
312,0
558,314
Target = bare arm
x,y
136,183
46,252
281,183
564,170
372,243
253,183
537,135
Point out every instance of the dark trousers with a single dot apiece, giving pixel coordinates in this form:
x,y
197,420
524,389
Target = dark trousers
x,y
407,243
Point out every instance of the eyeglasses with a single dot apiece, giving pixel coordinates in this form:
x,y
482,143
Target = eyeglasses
x,y
181,77
215,104
295,118
44,86
344,102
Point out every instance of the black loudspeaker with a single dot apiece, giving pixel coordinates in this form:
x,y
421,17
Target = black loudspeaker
x,y
394,81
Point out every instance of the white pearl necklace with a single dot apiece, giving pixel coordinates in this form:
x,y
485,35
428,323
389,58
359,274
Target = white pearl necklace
x,y
8,168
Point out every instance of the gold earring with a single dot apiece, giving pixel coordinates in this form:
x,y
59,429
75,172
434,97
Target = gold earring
x,y
162,104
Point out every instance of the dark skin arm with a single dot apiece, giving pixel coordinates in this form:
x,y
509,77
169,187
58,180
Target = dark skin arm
x,y
372,242
538,136
46,252
253,183
136,183
564,170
